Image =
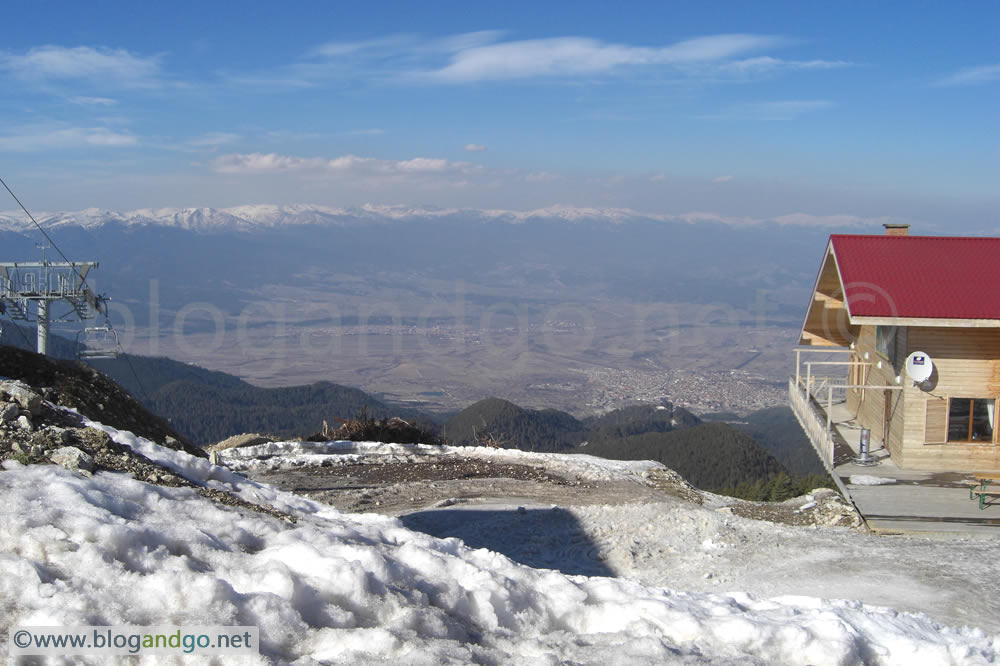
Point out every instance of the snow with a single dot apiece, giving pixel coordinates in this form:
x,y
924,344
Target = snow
x,y
252,217
347,588
867,480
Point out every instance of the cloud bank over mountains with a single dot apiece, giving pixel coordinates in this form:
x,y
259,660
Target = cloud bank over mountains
x,y
250,217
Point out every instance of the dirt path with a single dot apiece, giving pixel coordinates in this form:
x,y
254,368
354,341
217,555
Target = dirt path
x,y
399,488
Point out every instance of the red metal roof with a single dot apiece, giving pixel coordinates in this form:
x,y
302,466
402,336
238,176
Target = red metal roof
x,y
935,277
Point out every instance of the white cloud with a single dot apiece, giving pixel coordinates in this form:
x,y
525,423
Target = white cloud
x,y
398,45
767,64
109,67
391,43
657,177
375,131
423,164
343,166
972,76
487,56
32,139
722,179
93,101
475,147
568,56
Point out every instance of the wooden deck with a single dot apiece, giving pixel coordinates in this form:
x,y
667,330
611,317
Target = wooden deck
x,y
892,500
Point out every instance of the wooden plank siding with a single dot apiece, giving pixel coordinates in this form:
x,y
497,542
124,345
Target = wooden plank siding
x,y
871,405
966,365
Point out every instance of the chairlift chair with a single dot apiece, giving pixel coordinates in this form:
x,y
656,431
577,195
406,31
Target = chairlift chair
x,y
96,342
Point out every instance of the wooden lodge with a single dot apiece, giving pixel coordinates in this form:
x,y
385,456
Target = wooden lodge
x,y
881,300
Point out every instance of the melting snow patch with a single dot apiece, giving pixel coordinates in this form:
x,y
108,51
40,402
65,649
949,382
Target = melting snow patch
x,y
866,480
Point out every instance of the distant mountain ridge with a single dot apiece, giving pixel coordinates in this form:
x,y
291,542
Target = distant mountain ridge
x,y
250,217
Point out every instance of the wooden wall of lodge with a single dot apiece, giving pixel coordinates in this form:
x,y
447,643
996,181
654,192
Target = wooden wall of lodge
x,y
967,365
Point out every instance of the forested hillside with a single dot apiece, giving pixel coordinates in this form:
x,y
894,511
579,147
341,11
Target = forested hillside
x,y
209,406
515,427
777,430
638,419
709,455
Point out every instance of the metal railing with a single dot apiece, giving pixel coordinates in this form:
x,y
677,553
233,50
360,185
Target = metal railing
x,y
811,406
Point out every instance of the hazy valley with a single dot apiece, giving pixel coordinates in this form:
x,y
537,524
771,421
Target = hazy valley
x,y
579,310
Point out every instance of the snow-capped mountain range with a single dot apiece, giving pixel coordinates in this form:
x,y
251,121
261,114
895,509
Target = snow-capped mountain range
x,y
251,217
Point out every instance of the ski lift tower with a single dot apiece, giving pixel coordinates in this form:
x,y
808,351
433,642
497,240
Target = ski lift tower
x,y
45,283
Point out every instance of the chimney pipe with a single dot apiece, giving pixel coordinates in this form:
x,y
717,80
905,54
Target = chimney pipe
x,y
896,229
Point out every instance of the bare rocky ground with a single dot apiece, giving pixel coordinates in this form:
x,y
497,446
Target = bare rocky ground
x,y
36,428
398,486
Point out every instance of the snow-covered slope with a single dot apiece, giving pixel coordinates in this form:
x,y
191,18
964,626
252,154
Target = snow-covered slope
x,y
341,588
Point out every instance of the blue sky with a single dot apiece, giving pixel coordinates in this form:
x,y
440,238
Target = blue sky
x,y
871,110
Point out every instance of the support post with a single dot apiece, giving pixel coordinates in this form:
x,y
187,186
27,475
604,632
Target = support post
x,y
829,420
43,326
798,373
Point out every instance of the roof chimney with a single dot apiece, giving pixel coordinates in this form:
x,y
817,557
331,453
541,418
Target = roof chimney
x,y
896,229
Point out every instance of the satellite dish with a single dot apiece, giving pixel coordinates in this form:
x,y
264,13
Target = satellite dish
x,y
919,366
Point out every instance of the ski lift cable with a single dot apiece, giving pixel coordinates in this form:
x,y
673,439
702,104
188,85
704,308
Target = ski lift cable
x,y
83,280
99,300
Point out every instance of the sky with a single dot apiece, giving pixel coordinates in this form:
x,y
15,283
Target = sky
x,y
869,110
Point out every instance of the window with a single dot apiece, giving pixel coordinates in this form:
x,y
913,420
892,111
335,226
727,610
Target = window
x,y
971,419
885,342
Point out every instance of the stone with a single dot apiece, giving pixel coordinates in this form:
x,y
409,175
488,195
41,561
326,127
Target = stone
x,y
17,447
72,458
23,422
8,412
59,435
25,396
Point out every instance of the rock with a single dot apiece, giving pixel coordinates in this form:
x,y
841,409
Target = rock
x,y
72,458
58,435
23,422
236,441
25,396
17,447
8,412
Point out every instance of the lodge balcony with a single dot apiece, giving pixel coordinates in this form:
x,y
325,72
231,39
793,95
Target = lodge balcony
x,y
890,499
